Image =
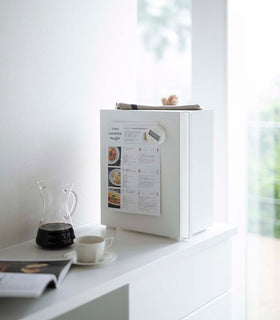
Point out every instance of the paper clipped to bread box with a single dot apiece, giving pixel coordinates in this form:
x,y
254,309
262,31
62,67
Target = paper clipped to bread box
x,y
133,170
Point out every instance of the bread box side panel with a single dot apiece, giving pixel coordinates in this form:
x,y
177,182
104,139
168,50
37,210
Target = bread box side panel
x,y
201,170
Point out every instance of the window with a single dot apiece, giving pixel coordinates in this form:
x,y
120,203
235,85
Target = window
x,y
164,50
262,74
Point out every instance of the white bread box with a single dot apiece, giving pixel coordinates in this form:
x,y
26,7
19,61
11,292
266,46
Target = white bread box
x,y
185,163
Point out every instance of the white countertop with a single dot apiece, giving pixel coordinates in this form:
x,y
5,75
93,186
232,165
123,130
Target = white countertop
x,y
136,251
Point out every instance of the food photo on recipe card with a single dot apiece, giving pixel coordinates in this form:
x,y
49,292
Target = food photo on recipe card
x,y
133,170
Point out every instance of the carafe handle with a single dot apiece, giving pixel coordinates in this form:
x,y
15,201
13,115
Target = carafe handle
x,y
71,212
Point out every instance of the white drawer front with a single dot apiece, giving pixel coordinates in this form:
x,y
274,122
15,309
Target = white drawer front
x,y
183,284
218,309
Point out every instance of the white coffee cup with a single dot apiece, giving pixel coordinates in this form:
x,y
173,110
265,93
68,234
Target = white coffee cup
x,y
91,248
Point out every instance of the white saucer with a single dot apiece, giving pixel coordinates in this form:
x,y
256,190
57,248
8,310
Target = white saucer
x,y
108,256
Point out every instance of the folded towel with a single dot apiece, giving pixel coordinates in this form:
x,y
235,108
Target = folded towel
x,y
126,106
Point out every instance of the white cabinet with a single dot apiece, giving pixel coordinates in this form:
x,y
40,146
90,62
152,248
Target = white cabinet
x,y
112,306
218,309
181,284
152,278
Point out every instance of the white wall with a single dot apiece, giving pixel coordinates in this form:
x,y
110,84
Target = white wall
x,y
209,84
61,61
237,152
210,81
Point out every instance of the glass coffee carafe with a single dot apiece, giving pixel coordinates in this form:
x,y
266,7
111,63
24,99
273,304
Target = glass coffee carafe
x,y
56,229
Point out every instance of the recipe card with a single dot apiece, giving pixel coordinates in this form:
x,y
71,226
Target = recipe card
x,y
133,171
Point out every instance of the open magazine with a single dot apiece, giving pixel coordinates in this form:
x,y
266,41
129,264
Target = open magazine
x,y
28,279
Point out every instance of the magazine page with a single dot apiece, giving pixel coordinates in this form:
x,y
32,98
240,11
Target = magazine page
x,y
24,285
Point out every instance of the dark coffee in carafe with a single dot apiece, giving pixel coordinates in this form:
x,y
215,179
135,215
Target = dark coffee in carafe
x,y
55,235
